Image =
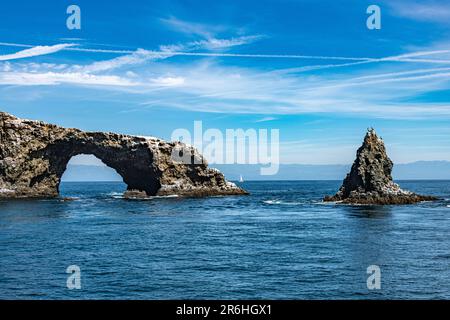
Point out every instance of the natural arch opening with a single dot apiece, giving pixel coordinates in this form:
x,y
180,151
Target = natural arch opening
x,y
132,161
85,173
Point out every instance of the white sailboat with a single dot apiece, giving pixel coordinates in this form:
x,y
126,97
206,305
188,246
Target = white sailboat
x,y
241,179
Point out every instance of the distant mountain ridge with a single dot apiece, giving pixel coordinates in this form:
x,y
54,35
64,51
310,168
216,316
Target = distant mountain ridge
x,y
82,172
420,170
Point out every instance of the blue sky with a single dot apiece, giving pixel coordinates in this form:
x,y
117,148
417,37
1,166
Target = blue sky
x,y
311,69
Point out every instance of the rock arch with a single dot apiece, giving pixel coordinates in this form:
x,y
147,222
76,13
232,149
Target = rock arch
x,y
34,156
131,161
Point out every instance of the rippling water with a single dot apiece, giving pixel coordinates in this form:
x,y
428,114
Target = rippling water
x,y
281,242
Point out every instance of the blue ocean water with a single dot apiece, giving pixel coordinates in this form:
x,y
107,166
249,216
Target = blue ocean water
x,y
281,242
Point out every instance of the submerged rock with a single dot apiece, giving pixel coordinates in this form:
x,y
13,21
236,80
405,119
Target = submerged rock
x,y
34,156
370,180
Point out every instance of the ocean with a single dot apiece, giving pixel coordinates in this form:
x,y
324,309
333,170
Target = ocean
x,y
280,242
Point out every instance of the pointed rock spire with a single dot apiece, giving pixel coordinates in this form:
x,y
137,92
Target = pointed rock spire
x,y
370,178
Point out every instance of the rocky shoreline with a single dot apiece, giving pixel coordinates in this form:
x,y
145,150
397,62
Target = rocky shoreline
x,y
34,156
370,179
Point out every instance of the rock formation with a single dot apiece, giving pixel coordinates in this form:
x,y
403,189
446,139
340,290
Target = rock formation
x,y
34,156
370,180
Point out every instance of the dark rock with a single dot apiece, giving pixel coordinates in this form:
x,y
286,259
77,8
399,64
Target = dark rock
x,y
34,156
370,180
135,195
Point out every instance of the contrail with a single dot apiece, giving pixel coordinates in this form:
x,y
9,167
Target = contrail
x,y
384,80
357,60
401,73
212,54
398,58
243,55
101,50
201,54
9,44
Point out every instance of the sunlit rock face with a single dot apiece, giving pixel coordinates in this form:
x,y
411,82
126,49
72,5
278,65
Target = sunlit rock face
x,y
370,180
34,156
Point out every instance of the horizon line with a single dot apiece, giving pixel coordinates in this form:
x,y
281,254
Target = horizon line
x,y
284,164
263,180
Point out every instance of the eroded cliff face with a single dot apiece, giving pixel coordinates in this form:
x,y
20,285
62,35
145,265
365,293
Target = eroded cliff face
x,y
370,179
34,156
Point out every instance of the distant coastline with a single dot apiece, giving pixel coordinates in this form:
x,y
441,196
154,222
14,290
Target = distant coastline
x,y
420,170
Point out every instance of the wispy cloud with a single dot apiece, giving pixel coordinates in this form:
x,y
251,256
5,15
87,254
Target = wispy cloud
x,y
136,57
191,28
209,34
266,119
387,79
187,49
206,85
168,81
35,51
432,11
53,78
214,43
409,57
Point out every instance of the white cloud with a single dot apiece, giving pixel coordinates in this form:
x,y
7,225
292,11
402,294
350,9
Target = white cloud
x,y
35,51
141,55
52,78
186,49
209,87
48,74
205,85
168,81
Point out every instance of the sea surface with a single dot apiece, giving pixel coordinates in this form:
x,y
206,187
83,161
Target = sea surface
x,y
281,242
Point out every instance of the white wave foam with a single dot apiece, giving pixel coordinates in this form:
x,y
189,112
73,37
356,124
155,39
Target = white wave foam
x,y
114,194
282,202
272,202
117,195
168,196
327,203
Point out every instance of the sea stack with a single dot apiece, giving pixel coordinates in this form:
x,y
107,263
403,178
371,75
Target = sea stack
x,y
34,156
370,179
